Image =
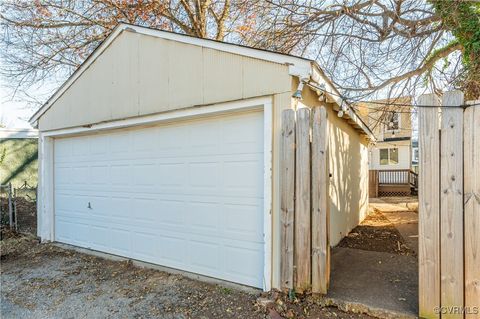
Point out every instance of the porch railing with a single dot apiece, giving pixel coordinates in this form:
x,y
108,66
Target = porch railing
x,y
393,178
397,176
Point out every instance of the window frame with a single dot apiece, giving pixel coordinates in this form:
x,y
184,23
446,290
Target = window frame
x,y
389,152
388,129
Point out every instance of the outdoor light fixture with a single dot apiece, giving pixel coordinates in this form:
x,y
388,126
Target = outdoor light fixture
x,y
298,93
342,110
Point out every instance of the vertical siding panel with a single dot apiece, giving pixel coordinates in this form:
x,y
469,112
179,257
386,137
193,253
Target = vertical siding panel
x,y
259,78
153,69
185,74
222,75
429,208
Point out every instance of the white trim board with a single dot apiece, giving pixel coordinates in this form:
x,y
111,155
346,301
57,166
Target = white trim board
x,y
46,210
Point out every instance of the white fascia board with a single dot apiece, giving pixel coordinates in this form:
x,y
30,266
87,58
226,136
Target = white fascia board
x,y
299,67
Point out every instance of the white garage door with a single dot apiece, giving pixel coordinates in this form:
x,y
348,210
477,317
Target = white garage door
x,y
187,195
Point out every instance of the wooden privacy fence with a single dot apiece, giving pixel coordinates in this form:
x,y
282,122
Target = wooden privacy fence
x,y
305,244
449,208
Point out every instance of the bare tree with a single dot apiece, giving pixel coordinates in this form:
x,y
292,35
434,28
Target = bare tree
x,y
49,39
380,47
386,48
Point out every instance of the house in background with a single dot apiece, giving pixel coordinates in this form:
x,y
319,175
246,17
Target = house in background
x,y
18,156
390,158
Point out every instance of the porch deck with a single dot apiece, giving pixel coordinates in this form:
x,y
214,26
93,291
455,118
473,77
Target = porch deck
x,y
402,182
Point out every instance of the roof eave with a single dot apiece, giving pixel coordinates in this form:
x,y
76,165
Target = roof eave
x,y
319,77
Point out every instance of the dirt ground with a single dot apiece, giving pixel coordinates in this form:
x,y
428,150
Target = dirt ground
x,y
376,233
46,281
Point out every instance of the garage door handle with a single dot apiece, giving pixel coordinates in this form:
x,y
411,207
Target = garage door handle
x,y
89,206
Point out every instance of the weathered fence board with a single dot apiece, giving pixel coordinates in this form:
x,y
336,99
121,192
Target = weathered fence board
x,y
302,202
287,197
471,139
320,213
429,207
449,208
451,204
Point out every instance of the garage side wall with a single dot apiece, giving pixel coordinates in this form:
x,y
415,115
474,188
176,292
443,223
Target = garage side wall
x,y
348,167
348,160
140,75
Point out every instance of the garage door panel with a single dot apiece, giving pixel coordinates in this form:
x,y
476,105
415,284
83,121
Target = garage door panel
x,y
204,215
244,175
172,212
243,220
203,174
204,253
120,240
173,249
144,245
171,174
242,261
121,208
99,174
186,195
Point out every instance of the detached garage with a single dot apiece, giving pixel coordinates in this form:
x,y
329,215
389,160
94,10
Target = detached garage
x,y
165,148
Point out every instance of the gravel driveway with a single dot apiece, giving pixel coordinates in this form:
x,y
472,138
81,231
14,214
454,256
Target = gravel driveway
x,y
46,281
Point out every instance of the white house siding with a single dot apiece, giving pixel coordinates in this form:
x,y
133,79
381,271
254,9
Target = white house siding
x,y
140,74
348,153
404,155
348,166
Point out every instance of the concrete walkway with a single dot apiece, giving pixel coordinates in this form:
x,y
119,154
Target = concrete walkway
x,y
382,284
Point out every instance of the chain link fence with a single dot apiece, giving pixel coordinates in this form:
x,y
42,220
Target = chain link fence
x,y
18,208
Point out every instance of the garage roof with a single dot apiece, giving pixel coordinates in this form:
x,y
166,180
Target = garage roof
x,y
305,69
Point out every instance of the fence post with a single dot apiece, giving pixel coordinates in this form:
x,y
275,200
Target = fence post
x,y
320,203
15,211
451,203
472,207
429,207
302,203
287,197
10,206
